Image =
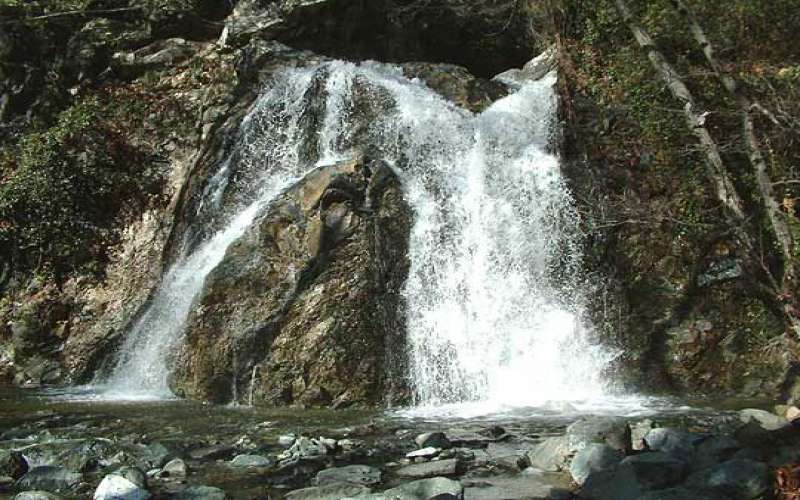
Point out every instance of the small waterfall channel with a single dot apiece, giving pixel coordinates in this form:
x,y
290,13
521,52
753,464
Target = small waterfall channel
x,y
496,298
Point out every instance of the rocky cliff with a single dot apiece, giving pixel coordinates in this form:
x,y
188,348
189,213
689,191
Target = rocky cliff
x,y
113,119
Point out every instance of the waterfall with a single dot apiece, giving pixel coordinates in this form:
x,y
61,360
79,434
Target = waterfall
x,y
495,296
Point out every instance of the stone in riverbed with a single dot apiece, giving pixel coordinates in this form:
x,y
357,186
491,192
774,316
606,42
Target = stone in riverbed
x,y
428,452
37,495
201,493
12,464
214,452
250,461
614,432
517,487
737,478
175,468
714,450
331,491
633,477
677,443
287,440
551,455
114,487
429,469
352,474
438,488
433,440
593,458
49,478
764,419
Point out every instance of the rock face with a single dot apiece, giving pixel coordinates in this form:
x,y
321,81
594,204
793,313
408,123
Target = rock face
x,y
309,297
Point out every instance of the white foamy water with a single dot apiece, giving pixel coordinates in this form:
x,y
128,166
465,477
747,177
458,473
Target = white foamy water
x,y
495,296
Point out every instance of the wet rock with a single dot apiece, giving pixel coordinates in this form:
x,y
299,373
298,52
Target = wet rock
x,y
681,493
527,487
287,440
49,478
792,413
154,56
676,442
175,468
764,419
133,475
250,461
655,470
738,479
215,452
114,487
438,488
594,457
550,455
332,491
201,493
37,495
614,432
319,320
429,469
429,452
714,450
433,440
352,474
638,432
12,464
305,449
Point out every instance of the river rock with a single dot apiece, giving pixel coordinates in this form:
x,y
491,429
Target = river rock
x,y
435,488
250,461
433,440
714,450
330,491
517,487
429,469
428,452
37,495
638,432
318,281
738,479
764,419
214,452
114,487
675,442
286,440
550,455
353,474
594,457
49,478
633,477
12,464
614,432
175,468
201,493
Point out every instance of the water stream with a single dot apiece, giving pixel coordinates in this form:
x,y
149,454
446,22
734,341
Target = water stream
x,y
495,295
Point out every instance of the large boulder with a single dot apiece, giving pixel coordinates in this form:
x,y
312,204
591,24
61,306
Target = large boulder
x,y
309,298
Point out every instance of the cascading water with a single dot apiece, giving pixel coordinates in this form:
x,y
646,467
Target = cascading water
x,y
495,303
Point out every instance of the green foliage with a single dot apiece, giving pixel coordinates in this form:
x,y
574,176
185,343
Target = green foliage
x,y
64,187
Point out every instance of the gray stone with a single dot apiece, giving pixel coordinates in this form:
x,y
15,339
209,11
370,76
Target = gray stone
x,y
594,457
114,487
675,442
529,486
286,440
250,461
681,493
766,420
201,493
619,483
739,479
550,455
215,452
132,474
438,488
433,440
655,470
175,468
353,474
614,432
429,469
714,450
37,495
638,432
331,491
428,452
12,464
49,478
